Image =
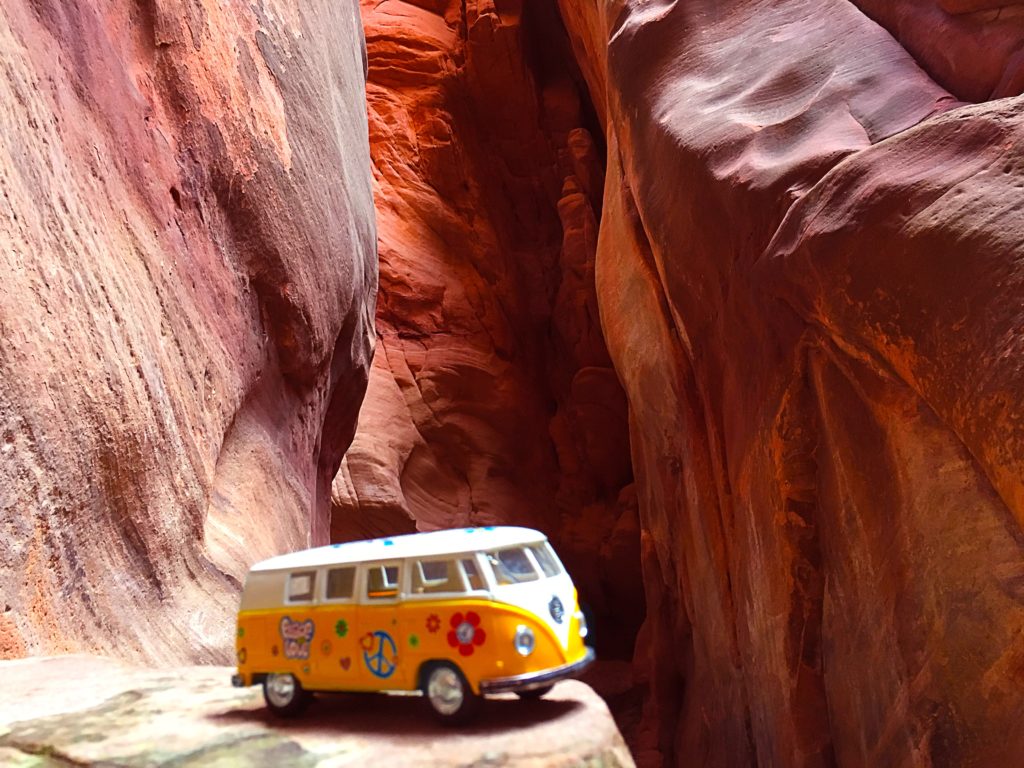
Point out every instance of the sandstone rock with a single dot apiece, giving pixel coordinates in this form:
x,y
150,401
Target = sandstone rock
x,y
188,269
191,716
492,398
975,48
809,281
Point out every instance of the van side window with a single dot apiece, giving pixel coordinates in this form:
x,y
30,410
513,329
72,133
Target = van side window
x,y
431,576
300,586
382,582
473,575
341,583
545,559
511,566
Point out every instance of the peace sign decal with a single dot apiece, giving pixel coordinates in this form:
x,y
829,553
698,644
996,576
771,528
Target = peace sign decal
x,y
380,655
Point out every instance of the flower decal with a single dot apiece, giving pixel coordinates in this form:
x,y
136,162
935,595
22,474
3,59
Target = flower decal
x,y
366,641
341,628
414,640
433,623
466,633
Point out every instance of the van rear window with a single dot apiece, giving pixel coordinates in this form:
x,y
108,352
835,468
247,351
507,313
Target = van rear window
x,y
382,582
341,583
511,566
300,586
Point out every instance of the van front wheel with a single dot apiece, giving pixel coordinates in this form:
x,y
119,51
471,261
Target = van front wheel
x,y
451,698
284,694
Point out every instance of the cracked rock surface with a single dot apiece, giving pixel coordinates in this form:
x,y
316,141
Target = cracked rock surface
x,y
84,710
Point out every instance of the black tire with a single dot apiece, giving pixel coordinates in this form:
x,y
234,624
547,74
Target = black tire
x,y
285,695
448,694
534,693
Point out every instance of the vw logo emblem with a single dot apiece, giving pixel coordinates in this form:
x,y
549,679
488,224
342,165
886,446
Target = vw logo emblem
x,y
557,609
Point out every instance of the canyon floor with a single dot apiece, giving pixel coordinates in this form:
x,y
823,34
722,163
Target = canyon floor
x,y
89,710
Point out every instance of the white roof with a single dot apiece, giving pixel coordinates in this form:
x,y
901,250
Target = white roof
x,y
454,541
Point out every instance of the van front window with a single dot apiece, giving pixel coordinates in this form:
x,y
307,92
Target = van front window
x,y
511,566
546,559
435,576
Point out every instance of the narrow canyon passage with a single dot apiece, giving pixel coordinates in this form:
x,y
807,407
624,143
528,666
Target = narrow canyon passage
x,y
723,295
492,399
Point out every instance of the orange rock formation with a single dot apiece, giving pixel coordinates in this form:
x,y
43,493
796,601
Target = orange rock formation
x,y
187,253
492,397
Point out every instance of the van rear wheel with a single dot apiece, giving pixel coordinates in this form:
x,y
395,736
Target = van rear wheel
x,y
450,696
284,694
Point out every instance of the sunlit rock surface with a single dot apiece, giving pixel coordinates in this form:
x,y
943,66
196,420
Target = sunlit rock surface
x,y
492,397
809,280
191,716
187,273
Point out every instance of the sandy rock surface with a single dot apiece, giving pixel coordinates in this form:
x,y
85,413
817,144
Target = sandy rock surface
x,y
93,711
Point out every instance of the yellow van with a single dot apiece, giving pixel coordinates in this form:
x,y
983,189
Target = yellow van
x,y
454,614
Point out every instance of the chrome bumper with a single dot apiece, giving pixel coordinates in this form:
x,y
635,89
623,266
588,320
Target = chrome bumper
x,y
533,680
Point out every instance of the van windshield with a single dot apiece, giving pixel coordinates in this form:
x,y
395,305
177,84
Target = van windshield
x,y
511,566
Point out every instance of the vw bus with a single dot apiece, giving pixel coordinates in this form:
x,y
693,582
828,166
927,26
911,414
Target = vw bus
x,y
454,614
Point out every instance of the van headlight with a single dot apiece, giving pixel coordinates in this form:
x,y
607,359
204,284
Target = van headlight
x,y
524,641
583,623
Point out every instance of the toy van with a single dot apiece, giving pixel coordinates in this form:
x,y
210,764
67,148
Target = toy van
x,y
454,614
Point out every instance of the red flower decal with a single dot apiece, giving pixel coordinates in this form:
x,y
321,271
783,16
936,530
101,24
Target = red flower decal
x,y
466,633
433,623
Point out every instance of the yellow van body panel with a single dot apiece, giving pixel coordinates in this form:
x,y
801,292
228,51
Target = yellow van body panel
x,y
370,647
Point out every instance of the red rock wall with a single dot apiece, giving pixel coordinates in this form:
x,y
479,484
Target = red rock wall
x,y
975,48
187,253
492,398
809,282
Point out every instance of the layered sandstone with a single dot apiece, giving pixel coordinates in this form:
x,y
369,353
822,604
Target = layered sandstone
x,y
188,269
809,282
492,398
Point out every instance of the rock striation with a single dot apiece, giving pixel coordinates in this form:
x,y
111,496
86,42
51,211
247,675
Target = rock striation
x,y
492,397
809,282
187,250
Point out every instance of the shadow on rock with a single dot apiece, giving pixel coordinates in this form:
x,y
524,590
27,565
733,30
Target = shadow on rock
x,y
402,715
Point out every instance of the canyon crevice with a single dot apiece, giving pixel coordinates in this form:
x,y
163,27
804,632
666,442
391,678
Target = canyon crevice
x,y
492,398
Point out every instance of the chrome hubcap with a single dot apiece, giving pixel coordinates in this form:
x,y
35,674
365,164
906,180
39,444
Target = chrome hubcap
x,y
280,689
444,689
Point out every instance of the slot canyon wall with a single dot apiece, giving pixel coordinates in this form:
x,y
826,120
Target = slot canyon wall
x,y
188,261
809,281
492,398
